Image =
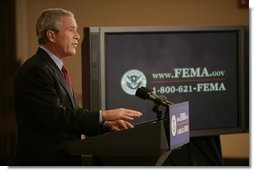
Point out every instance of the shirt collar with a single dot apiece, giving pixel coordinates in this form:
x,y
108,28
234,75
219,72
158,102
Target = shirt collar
x,y
57,61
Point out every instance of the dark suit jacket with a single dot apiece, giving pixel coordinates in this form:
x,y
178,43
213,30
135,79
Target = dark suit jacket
x,y
47,114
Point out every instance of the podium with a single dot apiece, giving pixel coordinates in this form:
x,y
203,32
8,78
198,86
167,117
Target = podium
x,y
145,144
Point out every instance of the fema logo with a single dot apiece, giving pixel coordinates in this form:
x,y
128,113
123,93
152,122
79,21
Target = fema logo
x,y
132,80
173,125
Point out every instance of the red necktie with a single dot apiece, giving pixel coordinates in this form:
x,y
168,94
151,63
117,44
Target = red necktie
x,y
67,77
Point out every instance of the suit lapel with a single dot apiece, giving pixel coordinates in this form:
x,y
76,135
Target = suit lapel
x,y
58,75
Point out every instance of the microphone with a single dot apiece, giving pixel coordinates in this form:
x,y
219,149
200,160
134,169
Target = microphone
x,y
145,93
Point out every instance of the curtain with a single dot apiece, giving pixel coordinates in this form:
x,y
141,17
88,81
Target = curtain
x,y
8,68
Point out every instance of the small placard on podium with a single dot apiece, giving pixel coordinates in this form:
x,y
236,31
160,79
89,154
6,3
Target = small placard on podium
x,y
179,124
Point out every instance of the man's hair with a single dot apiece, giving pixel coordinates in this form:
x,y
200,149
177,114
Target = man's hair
x,y
50,19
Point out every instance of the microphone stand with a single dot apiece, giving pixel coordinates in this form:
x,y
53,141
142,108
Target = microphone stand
x,y
164,102
159,112
165,121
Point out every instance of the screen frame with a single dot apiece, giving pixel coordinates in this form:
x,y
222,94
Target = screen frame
x,y
93,57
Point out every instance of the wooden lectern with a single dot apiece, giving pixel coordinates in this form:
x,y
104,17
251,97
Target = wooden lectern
x,y
146,144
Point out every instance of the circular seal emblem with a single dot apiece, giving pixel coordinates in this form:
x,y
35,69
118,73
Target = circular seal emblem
x,y
132,80
173,125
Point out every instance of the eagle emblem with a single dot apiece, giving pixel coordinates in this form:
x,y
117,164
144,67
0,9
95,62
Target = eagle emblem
x,y
132,80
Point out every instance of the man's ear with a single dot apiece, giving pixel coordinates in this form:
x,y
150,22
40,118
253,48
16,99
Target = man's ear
x,y
51,36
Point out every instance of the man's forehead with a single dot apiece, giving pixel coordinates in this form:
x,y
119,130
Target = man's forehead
x,y
69,21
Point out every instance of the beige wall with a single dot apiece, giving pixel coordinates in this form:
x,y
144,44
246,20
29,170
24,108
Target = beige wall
x,y
133,13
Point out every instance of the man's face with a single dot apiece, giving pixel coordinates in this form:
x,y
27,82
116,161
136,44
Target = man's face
x,y
66,39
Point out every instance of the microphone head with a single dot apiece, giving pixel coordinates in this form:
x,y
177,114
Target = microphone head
x,y
143,93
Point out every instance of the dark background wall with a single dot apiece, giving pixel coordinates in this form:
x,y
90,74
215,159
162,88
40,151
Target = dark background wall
x,y
8,67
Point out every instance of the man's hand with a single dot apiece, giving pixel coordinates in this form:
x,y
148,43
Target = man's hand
x,y
117,125
120,113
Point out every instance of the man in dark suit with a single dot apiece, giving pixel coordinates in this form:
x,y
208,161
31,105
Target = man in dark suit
x,y
46,110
